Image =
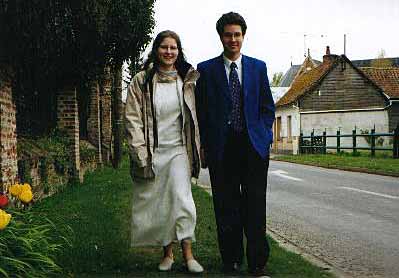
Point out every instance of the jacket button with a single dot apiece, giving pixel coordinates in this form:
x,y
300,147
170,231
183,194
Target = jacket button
x,y
229,122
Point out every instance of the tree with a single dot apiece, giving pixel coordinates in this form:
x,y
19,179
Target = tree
x,y
277,77
53,43
123,44
381,61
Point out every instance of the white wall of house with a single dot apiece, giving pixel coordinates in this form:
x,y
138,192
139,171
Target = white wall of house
x,y
346,122
288,135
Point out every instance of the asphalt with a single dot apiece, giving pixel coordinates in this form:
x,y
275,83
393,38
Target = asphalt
x,y
204,182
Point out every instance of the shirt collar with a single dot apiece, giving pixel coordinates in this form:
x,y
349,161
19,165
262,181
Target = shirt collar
x,y
227,61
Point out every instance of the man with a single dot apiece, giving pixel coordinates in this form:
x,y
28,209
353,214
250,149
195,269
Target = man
x,y
236,111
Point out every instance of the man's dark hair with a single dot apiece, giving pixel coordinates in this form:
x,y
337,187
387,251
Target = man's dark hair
x,y
230,18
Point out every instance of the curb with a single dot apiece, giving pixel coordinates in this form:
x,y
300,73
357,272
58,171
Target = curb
x,y
318,261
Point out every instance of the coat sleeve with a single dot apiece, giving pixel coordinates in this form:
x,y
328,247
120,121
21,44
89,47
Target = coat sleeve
x,y
134,123
267,104
201,106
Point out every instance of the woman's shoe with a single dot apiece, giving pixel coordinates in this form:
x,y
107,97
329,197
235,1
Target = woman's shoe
x,y
166,264
194,267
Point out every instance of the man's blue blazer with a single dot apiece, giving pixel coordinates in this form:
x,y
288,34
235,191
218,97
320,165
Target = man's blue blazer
x,y
214,106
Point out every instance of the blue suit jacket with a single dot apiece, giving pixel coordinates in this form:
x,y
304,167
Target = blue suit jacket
x,y
214,105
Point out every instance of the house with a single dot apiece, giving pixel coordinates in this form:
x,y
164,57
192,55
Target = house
x,y
337,95
285,131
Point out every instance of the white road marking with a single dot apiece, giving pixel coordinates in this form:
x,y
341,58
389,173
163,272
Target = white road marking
x,y
370,192
283,174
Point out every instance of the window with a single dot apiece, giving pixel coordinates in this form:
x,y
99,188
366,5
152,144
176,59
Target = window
x,y
289,128
278,128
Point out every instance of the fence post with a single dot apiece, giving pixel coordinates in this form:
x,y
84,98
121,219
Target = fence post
x,y
354,141
324,142
396,142
338,141
301,143
372,142
312,141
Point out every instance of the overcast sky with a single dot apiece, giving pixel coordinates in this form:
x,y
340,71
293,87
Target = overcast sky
x,y
280,31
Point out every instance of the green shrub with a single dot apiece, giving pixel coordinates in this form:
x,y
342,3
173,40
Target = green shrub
x,y
29,244
88,153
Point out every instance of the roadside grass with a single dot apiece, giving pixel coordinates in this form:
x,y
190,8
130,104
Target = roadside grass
x,y
98,211
382,163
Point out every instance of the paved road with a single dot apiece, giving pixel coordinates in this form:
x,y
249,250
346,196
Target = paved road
x,y
349,219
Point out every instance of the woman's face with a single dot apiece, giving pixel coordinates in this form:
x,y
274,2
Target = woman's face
x,y
167,53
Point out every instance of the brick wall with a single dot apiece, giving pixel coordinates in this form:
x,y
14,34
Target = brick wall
x,y
106,130
8,138
93,121
68,121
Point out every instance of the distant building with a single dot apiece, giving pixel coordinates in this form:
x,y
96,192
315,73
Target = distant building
x,y
337,95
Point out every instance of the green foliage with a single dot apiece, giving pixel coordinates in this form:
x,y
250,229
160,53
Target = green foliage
x,y
56,144
382,164
277,77
49,149
379,141
88,153
29,245
66,41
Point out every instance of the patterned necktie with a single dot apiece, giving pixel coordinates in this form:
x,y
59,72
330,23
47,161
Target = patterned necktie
x,y
237,120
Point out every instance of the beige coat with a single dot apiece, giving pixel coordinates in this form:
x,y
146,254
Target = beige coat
x,y
139,122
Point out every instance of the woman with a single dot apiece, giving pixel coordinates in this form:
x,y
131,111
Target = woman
x,y
163,138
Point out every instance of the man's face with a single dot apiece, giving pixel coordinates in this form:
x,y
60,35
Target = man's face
x,y
232,39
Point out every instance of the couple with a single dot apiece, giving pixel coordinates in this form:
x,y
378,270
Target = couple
x,y
220,117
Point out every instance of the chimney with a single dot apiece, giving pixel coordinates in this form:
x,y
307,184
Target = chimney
x,y
328,58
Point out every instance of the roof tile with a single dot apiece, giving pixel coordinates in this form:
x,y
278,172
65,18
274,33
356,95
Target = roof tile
x,y
386,78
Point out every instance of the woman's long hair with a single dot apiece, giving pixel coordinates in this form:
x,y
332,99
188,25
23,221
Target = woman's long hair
x,y
181,65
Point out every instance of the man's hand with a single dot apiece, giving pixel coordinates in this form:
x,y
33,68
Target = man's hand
x,y
203,159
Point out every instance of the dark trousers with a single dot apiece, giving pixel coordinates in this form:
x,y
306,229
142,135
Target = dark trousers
x,y
239,183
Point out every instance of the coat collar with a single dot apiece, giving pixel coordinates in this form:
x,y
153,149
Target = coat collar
x,y
192,75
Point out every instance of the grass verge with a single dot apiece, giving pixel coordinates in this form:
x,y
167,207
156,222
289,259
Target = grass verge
x,y
361,163
98,211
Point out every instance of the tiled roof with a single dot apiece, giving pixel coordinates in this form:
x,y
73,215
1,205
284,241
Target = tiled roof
x,y
294,70
304,82
289,76
386,78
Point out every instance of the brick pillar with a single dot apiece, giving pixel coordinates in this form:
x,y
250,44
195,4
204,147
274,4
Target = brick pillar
x,y
68,121
93,121
8,137
105,104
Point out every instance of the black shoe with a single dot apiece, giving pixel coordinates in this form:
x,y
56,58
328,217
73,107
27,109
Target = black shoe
x,y
233,268
258,272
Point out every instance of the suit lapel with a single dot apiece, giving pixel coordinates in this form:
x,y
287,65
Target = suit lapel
x,y
221,77
246,75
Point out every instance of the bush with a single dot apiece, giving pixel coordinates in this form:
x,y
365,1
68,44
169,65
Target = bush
x,y
29,244
88,153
